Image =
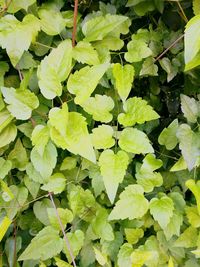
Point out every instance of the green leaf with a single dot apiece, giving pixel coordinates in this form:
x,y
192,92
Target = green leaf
x,y
40,138
12,244
113,169
76,240
58,118
5,223
33,187
179,165
167,65
55,183
189,144
149,68
16,5
133,199
33,174
192,48
76,138
173,227
135,141
196,7
8,134
102,137
195,189
61,263
124,255
193,216
146,176
101,258
188,238
190,108
133,235
124,76
136,111
99,107
68,163
46,163
46,244
55,69
83,82
18,156
16,36
52,22
21,103
65,215
40,209
5,167
139,258
99,27
168,135
137,51
7,194
84,52
162,210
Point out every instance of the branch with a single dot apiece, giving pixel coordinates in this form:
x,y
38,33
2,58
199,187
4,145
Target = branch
x,y
75,23
63,230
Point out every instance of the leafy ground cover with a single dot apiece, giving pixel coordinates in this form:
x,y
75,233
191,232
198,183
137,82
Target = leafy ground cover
x,y
99,133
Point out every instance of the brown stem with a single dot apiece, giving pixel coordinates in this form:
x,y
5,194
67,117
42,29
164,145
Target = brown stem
x,y
63,230
75,22
15,245
168,48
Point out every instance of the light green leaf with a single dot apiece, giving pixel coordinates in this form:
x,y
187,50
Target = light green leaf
x,y
33,187
173,227
55,69
20,102
195,189
40,138
113,169
46,163
76,138
149,68
101,227
52,22
33,174
99,27
61,263
82,203
162,210
101,258
5,119
124,76
110,43
83,82
7,194
16,36
196,7
179,165
18,156
68,163
189,143
26,62
192,39
76,240
5,167
46,244
99,107
190,108
133,199
124,255
193,216
58,118
167,65
102,137
137,50
188,238
135,141
136,110
5,223
55,183
84,52
133,235
168,135
40,210
65,215
16,5
8,134
138,258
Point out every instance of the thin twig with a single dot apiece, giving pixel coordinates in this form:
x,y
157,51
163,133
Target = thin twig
x,y
168,48
182,11
63,230
21,77
15,245
75,23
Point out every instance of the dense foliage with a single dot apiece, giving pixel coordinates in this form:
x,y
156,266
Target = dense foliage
x,y
100,140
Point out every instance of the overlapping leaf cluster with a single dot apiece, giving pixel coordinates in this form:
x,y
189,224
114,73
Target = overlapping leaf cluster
x,y
110,127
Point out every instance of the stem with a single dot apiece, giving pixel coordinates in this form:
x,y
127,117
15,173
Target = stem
x,y
63,230
15,245
20,73
168,48
182,11
75,23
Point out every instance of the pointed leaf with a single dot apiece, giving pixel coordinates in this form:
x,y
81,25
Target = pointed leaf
x,y
133,199
190,108
40,138
5,167
168,135
113,169
84,52
55,183
65,215
102,137
4,226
